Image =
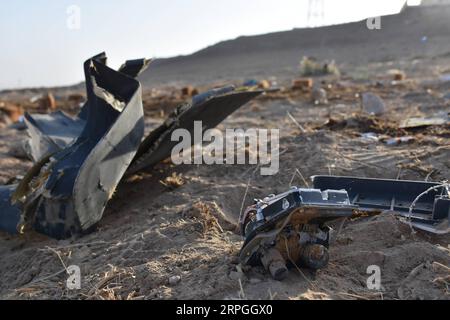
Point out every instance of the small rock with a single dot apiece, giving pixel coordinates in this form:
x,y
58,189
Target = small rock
x,y
154,293
319,96
174,280
372,104
398,75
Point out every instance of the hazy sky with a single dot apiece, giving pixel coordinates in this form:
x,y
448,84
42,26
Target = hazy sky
x,y
42,43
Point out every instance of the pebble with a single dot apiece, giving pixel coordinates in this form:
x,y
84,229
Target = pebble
x,y
372,104
174,280
319,96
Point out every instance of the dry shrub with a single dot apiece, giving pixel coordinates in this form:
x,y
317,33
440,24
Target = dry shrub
x,y
310,67
174,181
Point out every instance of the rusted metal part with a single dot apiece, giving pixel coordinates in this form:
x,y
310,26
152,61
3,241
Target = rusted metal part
x,y
425,205
295,224
314,256
274,262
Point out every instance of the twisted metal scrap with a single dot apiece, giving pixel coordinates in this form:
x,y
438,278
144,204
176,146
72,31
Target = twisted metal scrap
x,y
80,161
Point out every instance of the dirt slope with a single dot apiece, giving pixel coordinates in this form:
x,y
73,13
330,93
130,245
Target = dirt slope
x,y
278,54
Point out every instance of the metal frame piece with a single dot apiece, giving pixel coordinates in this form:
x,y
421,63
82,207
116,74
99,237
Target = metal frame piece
x,y
291,228
425,205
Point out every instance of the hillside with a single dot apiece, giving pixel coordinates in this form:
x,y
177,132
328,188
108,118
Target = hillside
x,y
278,54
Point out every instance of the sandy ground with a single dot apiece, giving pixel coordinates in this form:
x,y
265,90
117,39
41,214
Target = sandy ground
x,y
152,232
